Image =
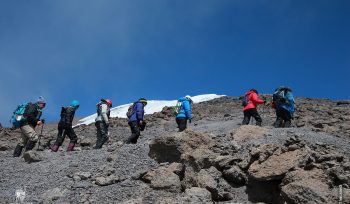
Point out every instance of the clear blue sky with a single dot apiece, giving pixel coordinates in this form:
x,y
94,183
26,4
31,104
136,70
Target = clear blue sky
x,y
164,49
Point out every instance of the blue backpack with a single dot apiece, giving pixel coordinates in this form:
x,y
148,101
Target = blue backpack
x,y
17,116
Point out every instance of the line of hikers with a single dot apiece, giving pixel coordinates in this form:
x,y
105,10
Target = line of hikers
x,y
27,117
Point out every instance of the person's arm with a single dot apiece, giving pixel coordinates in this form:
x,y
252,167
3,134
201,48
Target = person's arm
x,y
104,113
256,100
139,111
187,108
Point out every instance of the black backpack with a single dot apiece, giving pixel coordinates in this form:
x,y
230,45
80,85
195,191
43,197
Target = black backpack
x,y
67,115
245,100
278,96
130,111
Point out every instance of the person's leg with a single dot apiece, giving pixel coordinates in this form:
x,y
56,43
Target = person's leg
x,y
23,141
256,116
104,133
98,134
279,119
287,117
182,124
73,138
135,132
246,118
30,133
59,140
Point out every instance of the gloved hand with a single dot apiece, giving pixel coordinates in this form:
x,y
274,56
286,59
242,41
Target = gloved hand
x,y
265,102
107,124
190,120
42,121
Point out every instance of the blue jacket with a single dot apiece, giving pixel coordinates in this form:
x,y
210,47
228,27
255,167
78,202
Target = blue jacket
x,y
290,103
185,109
138,112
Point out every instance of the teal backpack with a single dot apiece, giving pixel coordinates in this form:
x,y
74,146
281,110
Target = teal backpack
x,y
17,116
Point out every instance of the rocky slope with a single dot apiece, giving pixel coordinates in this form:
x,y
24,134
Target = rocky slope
x,y
215,160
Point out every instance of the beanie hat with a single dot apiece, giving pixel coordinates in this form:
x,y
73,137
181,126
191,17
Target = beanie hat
x,y
41,100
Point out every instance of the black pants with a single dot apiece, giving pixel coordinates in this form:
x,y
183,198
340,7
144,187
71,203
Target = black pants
x,y
63,131
251,113
135,132
284,118
102,134
181,123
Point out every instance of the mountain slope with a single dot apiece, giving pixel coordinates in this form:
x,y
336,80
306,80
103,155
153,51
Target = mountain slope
x,y
216,160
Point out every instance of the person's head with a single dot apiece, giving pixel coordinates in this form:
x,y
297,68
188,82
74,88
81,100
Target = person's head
x,y
189,98
143,101
284,88
41,102
109,102
254,90
75,104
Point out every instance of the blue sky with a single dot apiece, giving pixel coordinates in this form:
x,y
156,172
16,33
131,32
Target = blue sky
x,y
164,49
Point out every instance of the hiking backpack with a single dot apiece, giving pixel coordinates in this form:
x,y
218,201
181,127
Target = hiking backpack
x,y
278,96
17,116
245,100
177,108
130,111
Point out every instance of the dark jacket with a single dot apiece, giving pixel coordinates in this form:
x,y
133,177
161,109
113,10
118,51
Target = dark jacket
x,y
32,115
67,116
138,112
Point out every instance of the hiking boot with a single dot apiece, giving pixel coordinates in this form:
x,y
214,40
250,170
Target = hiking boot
x,y
287,124
54,148
70,147
30,145
18,151
278,123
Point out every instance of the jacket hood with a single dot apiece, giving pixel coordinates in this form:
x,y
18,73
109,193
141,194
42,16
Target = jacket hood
x,y
249,92
183,99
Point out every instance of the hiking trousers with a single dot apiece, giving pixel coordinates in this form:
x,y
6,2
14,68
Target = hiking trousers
x,y
28,133
102,134
135,132
251,113
63,131
181,123
284,118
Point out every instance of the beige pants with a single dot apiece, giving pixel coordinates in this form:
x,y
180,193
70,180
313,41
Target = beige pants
x,y
28,133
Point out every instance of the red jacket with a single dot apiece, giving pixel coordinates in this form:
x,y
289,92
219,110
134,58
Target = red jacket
x,y
252,100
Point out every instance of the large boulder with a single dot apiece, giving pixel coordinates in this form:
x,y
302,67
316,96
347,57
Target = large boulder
x,y
170,148
199,159
211,179
302,186
277,165
235,175
165,178
248,132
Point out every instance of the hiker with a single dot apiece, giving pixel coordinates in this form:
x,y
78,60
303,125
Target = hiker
x,y
250,101
31,119
136,122
183,112
283,102
65,127
102,121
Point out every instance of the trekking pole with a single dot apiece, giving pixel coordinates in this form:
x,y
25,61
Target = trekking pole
x,y
41,134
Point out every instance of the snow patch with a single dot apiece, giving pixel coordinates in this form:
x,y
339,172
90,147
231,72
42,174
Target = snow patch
x,y
153,106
